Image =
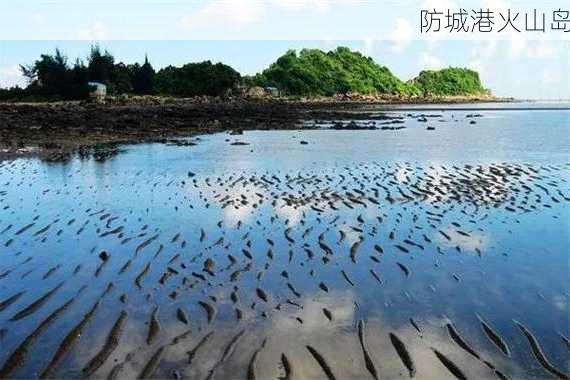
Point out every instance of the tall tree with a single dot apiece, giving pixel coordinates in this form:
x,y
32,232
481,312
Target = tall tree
x,y
143,78
100,65
121,81
196,79
51,77
48,71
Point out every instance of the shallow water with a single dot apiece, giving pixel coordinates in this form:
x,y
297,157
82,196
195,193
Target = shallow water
x,y
465,222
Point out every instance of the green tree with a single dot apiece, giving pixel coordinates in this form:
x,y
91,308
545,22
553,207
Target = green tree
x,y
449,82
143,78
314,72
49,71
121,81
51,77
196,79
100,65
310,72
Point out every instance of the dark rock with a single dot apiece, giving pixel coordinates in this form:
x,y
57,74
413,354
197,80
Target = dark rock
x,y
104,255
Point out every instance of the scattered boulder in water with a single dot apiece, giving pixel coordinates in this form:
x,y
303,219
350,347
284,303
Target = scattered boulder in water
x,y
391,128
104,256
180,143
354,126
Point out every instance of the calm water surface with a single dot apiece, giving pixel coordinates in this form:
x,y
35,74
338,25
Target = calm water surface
x,y
453,239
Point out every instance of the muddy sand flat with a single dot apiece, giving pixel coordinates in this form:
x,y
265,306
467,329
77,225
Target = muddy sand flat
x,y
392,244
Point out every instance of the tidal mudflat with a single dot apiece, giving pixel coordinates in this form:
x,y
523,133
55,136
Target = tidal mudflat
x,y
429,244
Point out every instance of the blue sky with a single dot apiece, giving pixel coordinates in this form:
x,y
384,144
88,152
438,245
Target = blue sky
x,y
249,34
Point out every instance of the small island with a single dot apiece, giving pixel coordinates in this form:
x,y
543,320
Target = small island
x,y
66,107
309,74
313,72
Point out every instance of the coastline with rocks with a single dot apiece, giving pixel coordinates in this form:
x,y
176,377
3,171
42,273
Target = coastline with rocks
x,y
51,130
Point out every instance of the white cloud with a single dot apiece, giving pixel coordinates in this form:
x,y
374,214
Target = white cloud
x,y
476,65
550,76
517,48
485,49
37,17
240,13
225,12
440,5
482,54
293,214
96,32
9,70
520,45
368,49
497,6
475,240
11,76
430,61
544,50
402,35
320,6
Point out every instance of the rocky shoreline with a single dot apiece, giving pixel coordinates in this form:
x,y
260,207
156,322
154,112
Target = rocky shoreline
x,y
53,131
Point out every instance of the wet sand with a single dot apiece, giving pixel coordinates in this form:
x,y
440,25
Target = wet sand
x,y
201,258
54,131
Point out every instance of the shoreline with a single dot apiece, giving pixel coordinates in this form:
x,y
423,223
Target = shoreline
x,y
341,99
54,131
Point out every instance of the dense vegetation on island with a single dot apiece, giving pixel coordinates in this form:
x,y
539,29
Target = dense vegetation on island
x,y
450,81
311,72
196,79
314,72
52,77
